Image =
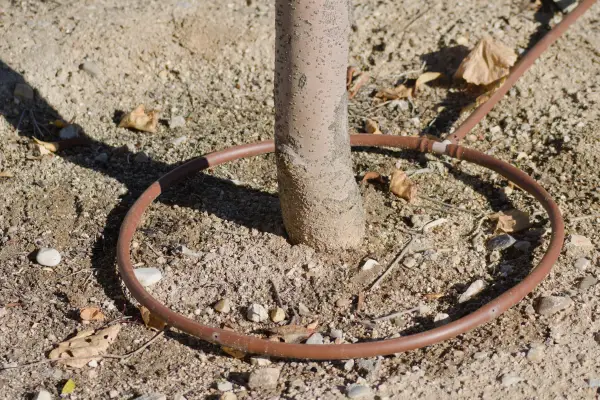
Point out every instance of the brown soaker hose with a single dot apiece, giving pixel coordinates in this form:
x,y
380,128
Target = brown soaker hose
x,y
254,345
493,309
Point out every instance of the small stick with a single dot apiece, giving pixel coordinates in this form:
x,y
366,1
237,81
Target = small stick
x,y
361,301
447,205
107,356
393,265
276,291
396,314
362,79
475,230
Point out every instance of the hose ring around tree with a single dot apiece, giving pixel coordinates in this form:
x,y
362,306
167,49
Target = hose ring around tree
x,y
255,345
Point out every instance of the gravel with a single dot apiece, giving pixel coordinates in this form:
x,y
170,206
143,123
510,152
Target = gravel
x,y
265,379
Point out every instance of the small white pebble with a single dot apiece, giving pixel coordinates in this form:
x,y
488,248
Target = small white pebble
x,y
48,257
148,276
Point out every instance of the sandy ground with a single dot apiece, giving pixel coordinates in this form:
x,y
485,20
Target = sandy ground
x,y
211,63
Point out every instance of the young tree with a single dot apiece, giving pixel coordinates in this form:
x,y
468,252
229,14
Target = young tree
x,y
320,200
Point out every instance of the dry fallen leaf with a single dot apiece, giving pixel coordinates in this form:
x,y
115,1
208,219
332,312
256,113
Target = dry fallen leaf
x,y
152,321
50,147
350,76
68,388
426,77
6,174
235,353
359,82
486,63
59,123
373,176
402,186
511,221
140,120
434,296
85,346
372,127
292,333
399,92
91,314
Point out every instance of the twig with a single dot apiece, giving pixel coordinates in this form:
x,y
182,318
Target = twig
x,y
107,356
396,314
419,171
475,230
153,250
393,265
583,217
276,291
448,205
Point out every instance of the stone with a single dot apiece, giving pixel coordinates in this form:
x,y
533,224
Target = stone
x,y
509,380
277,314
148,276
179,140
522,245
177,122
224,386
265,378
587,282
578,246
141,157
315,338
368,366
336,334
342,302
500,242
101,158
303,310
260,361
91,68
356,391
223,306
441,319
69,132
43,395
582,264
228,396
3,312
549,305
536,353
257,313
369,264
474,289
151,396
93,364
23,92
48,257
113,394
349,365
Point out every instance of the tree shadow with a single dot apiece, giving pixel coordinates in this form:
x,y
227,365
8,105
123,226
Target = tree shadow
x,y
223,198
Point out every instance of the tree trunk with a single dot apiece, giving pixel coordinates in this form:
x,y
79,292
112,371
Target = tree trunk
x,y
320,200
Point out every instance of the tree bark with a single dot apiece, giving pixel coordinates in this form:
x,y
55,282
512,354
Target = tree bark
x,y
320,200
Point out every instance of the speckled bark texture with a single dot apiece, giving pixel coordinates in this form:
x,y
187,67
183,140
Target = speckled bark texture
x,y
320,201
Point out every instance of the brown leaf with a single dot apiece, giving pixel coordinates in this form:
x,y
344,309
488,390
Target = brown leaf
x,y
6,174
434,296
402,186
235,353
486,63
511,221
49,147
399,92
86,344
91,314
373,176
426,77
59,123
152,321
292,333
140,120
372,127
350,76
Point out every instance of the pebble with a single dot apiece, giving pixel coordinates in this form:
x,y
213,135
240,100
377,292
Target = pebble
x,y
113,394
582,264
224,386
151,396
148,276
23,92
536,353
257,313
501,242
356,391
43,395
3,312
522,245
336,334
472,138
549,305
69,132
260,361
303,310
93,364
48,257
223,306
587,282
228,396
578,246
400,104
348,365
368,366
179,140
410,262
509,380
343,303
315,338
265,378
369,264
277,314
474,289
91,68
102,158
177,122
480,355
141,157
441,319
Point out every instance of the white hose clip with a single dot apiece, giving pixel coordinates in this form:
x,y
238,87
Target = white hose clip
x,y
440,147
